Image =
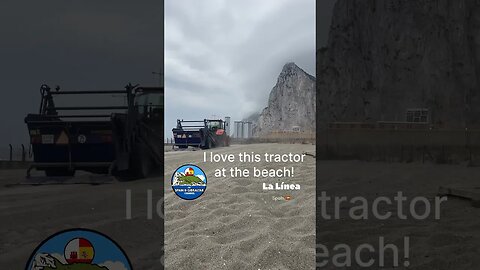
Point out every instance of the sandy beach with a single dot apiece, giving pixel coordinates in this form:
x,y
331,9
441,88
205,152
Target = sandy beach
x,y
236,224
30,214
451,242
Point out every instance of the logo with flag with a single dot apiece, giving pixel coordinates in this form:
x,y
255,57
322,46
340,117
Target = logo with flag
x,y
189,182
78,249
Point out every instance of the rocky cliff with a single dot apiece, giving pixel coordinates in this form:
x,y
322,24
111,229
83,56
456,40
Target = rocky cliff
x,y
291,103
386,56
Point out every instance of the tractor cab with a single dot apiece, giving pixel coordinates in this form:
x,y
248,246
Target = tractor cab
x,y
215,124
149,103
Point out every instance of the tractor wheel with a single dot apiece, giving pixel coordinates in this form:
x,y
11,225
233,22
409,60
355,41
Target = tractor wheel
x,y
124,176
55,172
208,143
141,162
224,141
227,141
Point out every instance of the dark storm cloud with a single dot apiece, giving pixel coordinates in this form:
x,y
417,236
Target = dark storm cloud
x,y
222,57
80,45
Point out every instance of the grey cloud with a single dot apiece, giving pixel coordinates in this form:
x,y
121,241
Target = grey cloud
x,y
223,57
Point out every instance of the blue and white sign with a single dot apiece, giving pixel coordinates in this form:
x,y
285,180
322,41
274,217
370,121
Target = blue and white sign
x,y
78,249
189,182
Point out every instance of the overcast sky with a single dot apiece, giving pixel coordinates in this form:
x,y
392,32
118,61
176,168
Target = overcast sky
x,y
80,45
222,57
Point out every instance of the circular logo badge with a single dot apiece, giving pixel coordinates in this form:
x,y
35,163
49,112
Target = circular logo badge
x,y
78,249
189,182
